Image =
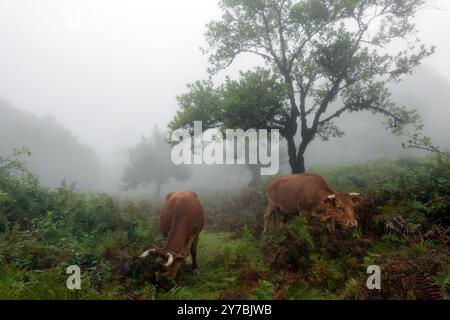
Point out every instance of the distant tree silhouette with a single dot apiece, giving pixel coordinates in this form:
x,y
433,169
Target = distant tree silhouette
x,y
55,153
149,162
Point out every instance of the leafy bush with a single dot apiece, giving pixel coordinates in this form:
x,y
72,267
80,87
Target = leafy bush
x,y
235,211
290,248
264,291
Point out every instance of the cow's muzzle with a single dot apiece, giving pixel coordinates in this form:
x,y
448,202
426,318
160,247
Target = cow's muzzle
x,y
352,224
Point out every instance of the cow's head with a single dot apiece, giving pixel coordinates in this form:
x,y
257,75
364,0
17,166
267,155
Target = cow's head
x,y
341,208
169,261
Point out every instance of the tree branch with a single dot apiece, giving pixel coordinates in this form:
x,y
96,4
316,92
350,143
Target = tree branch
x,y
331,94
334,115
387,113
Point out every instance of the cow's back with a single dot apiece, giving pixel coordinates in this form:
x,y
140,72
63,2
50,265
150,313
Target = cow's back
x,y
181,210
299,192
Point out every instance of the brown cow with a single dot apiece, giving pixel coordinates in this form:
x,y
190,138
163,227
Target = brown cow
x,y
313,196
181,221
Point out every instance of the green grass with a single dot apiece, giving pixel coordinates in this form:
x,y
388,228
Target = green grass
x,y
222,259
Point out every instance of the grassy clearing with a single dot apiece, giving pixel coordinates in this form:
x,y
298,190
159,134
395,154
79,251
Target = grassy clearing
x,y
222,260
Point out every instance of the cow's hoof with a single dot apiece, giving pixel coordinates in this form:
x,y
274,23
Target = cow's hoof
x,y
196,272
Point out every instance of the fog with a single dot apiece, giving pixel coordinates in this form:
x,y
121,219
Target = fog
x,y
106,72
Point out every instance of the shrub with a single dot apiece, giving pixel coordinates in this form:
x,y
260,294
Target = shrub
x,y
289,248
264,291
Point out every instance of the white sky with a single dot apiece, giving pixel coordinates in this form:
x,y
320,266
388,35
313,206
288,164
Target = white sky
x,y
109,70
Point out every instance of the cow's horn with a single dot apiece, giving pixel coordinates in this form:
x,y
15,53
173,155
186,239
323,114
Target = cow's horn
x,y
169,259
332,196
147,253
353,194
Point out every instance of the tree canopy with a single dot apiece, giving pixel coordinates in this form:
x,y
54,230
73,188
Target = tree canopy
x,y
331,56
255,101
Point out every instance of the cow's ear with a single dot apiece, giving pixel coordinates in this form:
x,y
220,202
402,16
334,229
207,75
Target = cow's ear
x,y
330,200
169,195
356,198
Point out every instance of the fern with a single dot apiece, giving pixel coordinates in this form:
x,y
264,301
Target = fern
x,y
351,288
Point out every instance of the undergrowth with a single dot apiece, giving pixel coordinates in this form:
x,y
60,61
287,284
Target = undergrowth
x,y
404,229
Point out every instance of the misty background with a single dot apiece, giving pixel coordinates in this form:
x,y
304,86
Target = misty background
x,y
82,81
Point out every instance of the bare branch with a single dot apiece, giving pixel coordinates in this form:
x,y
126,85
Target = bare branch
x,y
334,115
387,113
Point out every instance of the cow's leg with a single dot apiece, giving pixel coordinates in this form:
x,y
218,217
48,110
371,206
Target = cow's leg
x,y
267,216
331,227
277,219
280,218
194,256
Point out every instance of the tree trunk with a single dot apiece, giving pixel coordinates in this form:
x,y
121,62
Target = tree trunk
x,y
296,166
301,163
306,140
297,159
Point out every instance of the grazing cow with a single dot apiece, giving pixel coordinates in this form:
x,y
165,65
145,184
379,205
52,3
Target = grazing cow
x,y
313,196
180,221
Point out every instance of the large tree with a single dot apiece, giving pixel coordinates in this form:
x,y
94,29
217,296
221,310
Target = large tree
x,y
333,56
